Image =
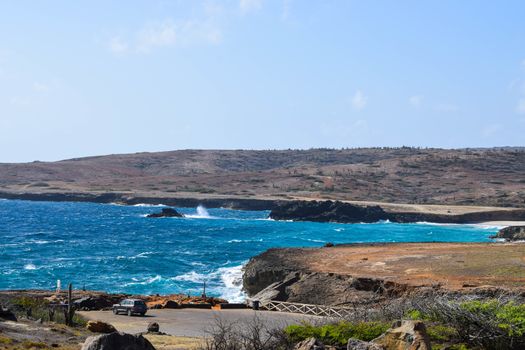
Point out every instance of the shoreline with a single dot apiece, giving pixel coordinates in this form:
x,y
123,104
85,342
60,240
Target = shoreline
x,y
396,212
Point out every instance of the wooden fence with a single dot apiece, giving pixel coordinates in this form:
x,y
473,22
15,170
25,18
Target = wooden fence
x,y
307,309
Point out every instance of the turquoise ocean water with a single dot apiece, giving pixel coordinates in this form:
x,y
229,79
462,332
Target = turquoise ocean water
x,y
117,249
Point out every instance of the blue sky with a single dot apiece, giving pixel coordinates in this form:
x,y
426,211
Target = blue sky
x,y
99,77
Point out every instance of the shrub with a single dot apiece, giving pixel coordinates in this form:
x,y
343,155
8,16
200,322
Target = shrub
x,y
510,316
441,333
337,333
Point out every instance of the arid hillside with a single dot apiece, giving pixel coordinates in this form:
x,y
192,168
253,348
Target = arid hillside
x,y
491,177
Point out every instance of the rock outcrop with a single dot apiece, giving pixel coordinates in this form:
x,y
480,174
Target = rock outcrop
x,y
355,344
7,315
343,212
166,213
271,276
511,233
96,301
327,211
115,341
403,335
100,327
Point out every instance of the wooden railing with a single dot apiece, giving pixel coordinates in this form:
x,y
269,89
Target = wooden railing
x,y
306,309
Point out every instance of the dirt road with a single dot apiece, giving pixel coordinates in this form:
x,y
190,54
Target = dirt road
x,y
192,322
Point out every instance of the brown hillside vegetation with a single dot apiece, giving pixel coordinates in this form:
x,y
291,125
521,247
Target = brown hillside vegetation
x,y
490,177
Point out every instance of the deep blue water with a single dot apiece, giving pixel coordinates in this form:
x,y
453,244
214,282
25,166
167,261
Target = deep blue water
x,y
115,248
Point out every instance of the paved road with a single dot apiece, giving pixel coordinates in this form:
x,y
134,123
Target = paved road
x,y
192,322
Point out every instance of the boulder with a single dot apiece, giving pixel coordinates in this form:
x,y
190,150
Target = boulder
x,y
405,335
97,302
7,315
100,327
309,344
166,213
121,341
511,233
153,327
356,344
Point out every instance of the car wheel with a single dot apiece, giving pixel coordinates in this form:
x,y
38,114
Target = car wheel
x,y
129,312
115,311
142,314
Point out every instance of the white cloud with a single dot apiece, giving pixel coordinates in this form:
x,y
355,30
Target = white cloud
x,y
117,45
415,101
156,35
162,34
250,5
359,100
520,108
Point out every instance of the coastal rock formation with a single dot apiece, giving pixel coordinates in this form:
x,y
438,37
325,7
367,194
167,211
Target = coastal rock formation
x,y
405,335
166,213
511,233
343,212
274,275
117,341
372,274
327,211
100,327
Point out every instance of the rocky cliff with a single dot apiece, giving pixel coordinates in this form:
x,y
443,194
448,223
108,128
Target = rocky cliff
x,y
511,233
344,212
364,274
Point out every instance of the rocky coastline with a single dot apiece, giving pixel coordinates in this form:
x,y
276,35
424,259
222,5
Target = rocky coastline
x,y
289,209
372,274
342,212
511,234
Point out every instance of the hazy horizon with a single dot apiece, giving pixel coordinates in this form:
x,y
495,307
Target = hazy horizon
x,y
100,78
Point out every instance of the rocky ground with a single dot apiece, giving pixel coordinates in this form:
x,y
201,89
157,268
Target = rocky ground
x,y
372,273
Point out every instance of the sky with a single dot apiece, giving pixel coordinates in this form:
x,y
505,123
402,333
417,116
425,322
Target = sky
x,y
81,78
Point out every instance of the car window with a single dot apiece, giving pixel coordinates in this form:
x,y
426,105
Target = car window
x,y
139,302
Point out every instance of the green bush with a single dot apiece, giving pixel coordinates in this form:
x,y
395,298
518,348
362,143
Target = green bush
x,y
441,333
510,316
337,333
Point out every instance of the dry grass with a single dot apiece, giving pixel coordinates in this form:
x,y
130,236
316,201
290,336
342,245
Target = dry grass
x,y
169,342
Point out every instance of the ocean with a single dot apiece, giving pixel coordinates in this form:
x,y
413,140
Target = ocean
x,y
115,248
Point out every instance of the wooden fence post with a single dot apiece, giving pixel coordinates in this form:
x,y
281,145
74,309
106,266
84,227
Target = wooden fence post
x,y
69,319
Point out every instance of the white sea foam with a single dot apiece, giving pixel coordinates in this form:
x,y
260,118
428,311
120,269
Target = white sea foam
x,y
226,281
245,240
201,213
480,226
193,276
30,267
148,280
149,205
314,240
231,277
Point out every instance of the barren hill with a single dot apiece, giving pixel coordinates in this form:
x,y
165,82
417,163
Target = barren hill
x,y
489,177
